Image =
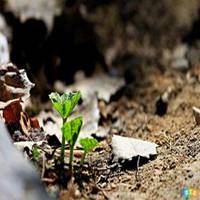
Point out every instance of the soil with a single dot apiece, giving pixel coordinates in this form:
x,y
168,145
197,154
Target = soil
x,y
177,163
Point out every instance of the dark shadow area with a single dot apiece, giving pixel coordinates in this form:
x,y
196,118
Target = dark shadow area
x,y
161,107
132,164
194,34
69,47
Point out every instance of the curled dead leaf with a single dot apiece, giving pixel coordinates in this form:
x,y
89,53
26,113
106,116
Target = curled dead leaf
x,y
11,112
14,84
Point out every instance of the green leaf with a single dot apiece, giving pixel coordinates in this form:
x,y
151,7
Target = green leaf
x,y
57,103
35,153
75,98
88,143
65,103
72,129
70,103
67,108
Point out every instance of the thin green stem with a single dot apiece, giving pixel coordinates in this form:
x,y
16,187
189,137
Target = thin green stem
x,y
71,157
62,149
62,156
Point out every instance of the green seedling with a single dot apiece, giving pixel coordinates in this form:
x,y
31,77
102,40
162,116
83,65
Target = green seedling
x,y
87,144
65,104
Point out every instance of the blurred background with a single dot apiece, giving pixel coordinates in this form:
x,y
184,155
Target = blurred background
x,y
54,39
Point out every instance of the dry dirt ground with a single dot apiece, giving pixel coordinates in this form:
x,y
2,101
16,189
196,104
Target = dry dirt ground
x,y
177,163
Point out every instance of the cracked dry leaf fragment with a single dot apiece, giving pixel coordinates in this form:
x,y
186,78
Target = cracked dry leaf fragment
x,y
14,84
127,148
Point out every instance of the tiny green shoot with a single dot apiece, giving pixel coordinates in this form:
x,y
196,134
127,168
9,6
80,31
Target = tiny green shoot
x,y
35,153
64,105
87,144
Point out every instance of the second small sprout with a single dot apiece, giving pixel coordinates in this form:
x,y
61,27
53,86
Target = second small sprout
x,y
87,144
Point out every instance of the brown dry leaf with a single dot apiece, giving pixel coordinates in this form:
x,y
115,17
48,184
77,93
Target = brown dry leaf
x,y
34,123
14,84
127,148
11,112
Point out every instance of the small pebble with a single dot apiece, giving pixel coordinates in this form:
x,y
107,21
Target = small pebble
x,y
113,186
77,193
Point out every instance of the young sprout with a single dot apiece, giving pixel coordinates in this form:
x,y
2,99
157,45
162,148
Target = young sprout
x,y
65,104
87,144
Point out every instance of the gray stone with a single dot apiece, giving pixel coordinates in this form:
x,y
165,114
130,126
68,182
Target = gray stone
x,y
18,179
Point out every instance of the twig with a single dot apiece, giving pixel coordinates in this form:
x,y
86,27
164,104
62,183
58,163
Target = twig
x,y
48,180
43,165
137,169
